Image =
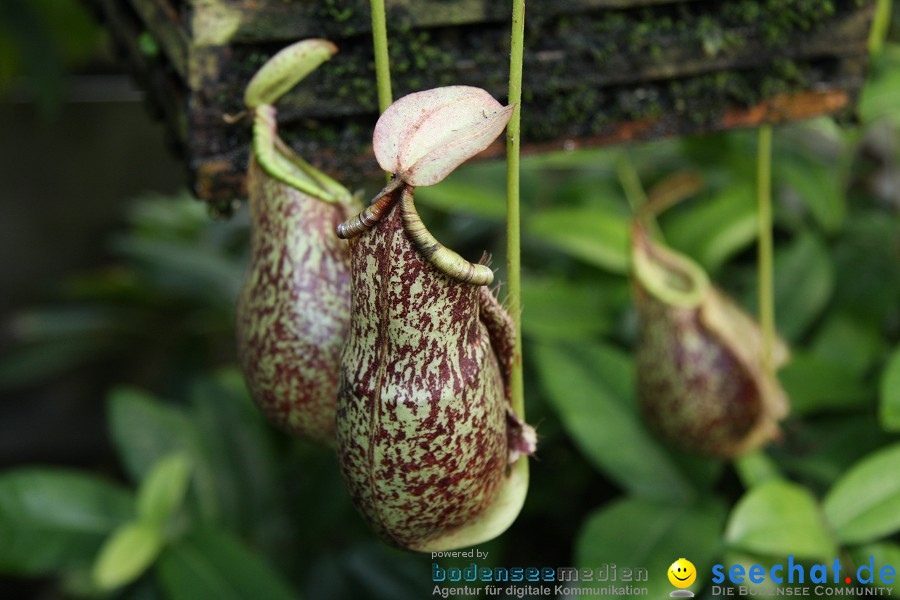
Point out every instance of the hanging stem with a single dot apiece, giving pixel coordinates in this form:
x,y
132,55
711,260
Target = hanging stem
x,y
631,183
881,23
765,269
755,468
513,244
382,62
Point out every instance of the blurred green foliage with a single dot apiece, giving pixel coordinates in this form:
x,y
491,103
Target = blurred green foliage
x,y
39,39
216,504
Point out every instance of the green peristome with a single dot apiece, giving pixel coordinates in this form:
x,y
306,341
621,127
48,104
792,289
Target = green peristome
x,y
701,383
278,75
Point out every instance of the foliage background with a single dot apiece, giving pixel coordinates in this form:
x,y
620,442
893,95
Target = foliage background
x,y
124,422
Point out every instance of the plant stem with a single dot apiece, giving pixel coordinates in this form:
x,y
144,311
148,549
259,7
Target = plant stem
x,y
382,62
765,268
635,194
755,468
881,23
631,183
513,244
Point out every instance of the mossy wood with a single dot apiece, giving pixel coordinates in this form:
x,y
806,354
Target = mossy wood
x,y
597,71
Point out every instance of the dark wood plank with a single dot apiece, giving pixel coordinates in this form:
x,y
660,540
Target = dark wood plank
x,y
597,71
165,23
220,22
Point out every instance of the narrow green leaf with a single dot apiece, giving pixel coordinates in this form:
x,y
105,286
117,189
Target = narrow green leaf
x,y
864,504
815,384
779,518
478,190
52,519
33,363
842,331
866,258
378,575
163,489
804,283
756,468
591,389
826,447
144,429
882,553
561,310
889,408
596,236
817,183
235,447
128,552
68,321
187,269
880,98
635,533
763,589
461,195
211,564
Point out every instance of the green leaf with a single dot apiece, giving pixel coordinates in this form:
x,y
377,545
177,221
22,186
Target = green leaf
x,y
637,533
128,552
763,589
842,331
186,269
234,444
778,518
588,158
804,283
211,564
34,363
889,408
880,98
372,573
818,184
591,389
459,194
163,489
816,384
557,309
67,321
883,553
864,504
596,236
52,519
755,468
144,429
713,229
865,256
824,448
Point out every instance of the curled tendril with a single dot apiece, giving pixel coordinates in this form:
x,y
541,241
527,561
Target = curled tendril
x,y
433,252
370,215
447,261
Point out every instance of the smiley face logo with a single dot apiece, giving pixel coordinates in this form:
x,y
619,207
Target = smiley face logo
x,y
682,573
